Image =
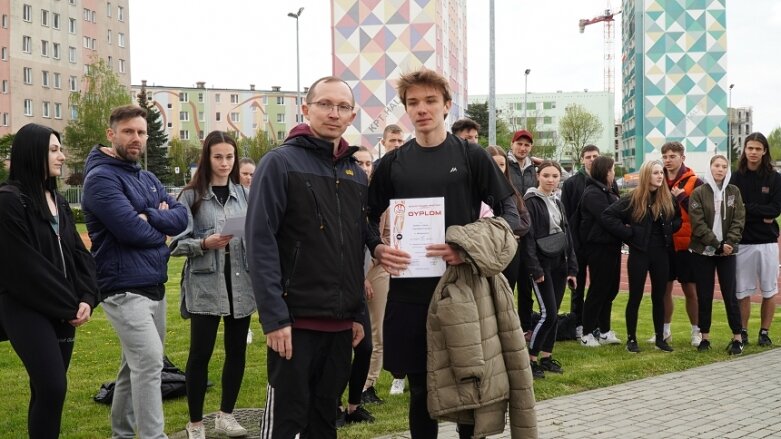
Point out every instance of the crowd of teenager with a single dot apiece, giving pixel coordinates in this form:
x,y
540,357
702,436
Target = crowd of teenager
x,y
315,260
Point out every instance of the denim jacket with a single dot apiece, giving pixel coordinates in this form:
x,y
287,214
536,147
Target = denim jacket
x,y
203,288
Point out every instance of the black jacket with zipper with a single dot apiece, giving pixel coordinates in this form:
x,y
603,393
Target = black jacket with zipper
x,y
48,274
305,229
596,198
618,220
540,228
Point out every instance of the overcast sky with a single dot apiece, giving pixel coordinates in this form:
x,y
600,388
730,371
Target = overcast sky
x,y
234,43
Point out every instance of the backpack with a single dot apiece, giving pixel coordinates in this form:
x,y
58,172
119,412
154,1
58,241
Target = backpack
x,y
172,384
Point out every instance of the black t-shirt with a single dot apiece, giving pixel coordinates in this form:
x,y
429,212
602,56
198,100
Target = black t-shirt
x,y
413,171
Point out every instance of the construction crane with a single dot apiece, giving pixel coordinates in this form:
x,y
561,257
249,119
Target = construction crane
x,y
609,34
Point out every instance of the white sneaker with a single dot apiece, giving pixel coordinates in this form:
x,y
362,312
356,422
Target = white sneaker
x,y
696,337
589,341
195,432
226,424
397,386
668,337
609,337
579,331
249,336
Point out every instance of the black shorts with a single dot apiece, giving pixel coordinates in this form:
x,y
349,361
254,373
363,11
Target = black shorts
x,y
682,267
404,338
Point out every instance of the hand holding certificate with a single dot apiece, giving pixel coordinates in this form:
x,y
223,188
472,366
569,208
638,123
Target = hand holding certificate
x,y
415,224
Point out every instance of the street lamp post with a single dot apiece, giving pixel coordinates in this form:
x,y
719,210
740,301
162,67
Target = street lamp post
x,y
296,15
729,126
525,95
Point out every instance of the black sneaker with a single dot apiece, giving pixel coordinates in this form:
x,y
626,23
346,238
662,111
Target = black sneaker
x,y
631,346
548,364
359,415
764,339
744,337
735,347
369,396
704,345
537,371
340,417
662,345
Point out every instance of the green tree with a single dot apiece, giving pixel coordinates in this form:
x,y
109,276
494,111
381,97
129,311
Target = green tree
x,y
255,147
102,92
479,114
577,129
155,159
774,140
182,153
5,151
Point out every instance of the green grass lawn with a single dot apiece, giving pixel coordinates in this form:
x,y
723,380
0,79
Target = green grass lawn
x,y
96,358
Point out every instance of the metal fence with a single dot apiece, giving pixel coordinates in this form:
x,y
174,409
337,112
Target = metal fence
x,y
73,194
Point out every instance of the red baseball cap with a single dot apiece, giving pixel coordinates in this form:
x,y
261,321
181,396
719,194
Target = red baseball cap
x,y
522,133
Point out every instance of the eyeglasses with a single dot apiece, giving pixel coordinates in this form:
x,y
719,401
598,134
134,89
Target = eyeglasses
x,y
342,109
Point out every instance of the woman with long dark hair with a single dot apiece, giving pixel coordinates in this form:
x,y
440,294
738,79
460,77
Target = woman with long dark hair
x,y
215,280
602,251
717,216
646,220
551,258
47,276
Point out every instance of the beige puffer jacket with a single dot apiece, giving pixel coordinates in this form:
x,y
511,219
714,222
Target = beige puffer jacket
x,y
477,359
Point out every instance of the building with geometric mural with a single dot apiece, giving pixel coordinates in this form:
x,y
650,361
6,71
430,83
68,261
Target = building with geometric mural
x,y
675,82
375,41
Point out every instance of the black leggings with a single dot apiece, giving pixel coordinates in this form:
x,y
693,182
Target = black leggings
x,y
45,347
362,355
550,293
203,334
656,262
604,269
725,266
517,273
421,426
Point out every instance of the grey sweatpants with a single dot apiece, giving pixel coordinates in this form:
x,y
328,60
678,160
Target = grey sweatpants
x,y
137,404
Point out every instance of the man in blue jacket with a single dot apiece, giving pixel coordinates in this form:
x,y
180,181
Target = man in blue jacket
x,y
129,216
305,239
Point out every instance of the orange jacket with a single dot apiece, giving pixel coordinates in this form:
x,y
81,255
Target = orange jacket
x,y
688,178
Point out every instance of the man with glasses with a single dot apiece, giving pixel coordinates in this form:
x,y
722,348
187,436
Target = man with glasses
x,y
129,217
306,201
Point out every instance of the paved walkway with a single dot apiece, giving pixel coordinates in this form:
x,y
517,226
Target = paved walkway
x,y
738,398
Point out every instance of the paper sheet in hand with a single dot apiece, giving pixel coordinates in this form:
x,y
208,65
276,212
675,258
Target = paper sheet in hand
x,y
234,226
416,223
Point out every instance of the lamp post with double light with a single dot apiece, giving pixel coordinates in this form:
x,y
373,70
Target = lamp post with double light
x,y
525,95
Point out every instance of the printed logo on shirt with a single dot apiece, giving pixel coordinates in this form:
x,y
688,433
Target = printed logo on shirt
x,y
765,189
349,172
453,169
694,204
731,201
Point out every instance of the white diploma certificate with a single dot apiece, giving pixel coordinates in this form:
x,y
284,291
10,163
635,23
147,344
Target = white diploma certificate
x,y
416,223
234,226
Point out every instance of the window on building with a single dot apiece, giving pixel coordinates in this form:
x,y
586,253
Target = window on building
x,y
44,48
265,118
200,116
280,100
121,66
44,17
217,116
5,119
548,105
57,80
57,110
121,39
4,53
28,107
55,20
108,36
547,120
28,75
264,99
120,13
44,78
234,116
4,86
4,21
281,118
108,9
73,83
201,135
110,62
86,14
217,97
27,13
280,135
87,42
27,44
184,134
184,116
56,50
45,109
72,25
200,97
71,54
74,112
184,97
234,99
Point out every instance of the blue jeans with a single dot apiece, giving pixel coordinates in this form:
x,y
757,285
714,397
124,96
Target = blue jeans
x,y
137,404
